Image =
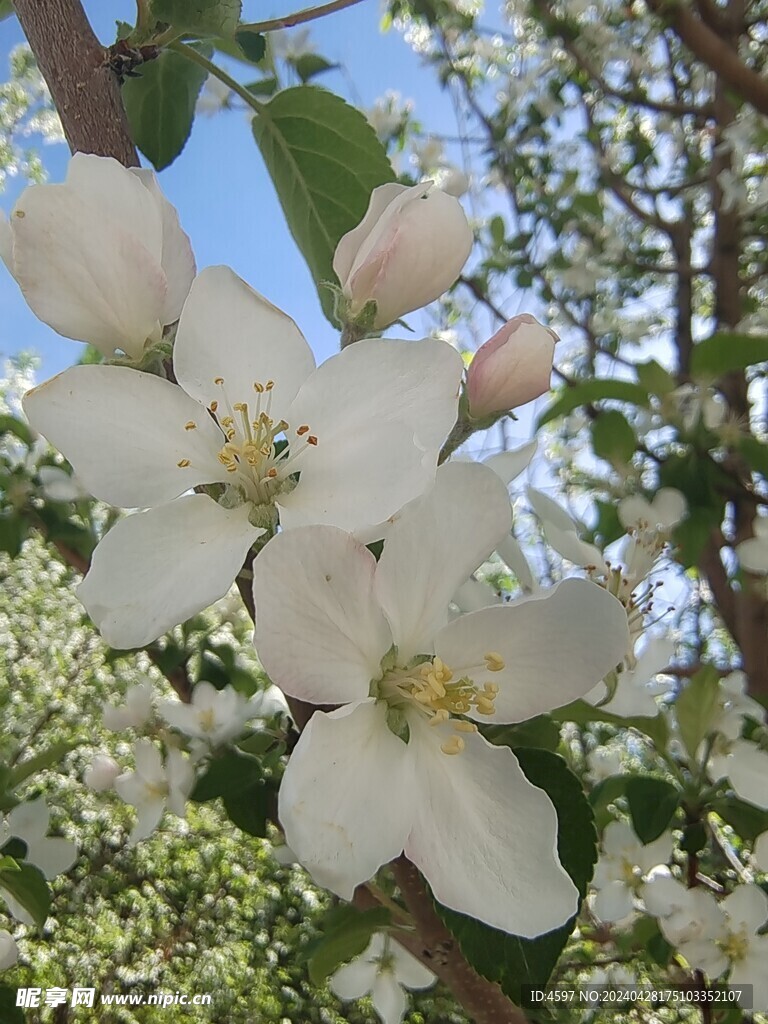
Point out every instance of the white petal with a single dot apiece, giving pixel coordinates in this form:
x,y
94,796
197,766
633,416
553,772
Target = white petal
x,y
669,506
52,855
228,330
180,773
346,799
87,275
430,551
149,763
507,876
511,464
6,242
614,902
760,853
30,820
351,243
9,952
319,632
177,259
651,855
388,998
634,511
158,568
746,907
554,647
409,971
380,410
473,595
748,772
511,553
753,555
148,817
124,433
354,980
549,511
568,544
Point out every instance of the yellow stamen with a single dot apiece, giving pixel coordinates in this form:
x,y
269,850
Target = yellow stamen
x,y
465,726
218,380
453,745
190,425
183,463
493,661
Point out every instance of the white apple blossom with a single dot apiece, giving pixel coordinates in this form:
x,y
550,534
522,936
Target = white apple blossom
x,y
52,855
637,687
401,765
136,711
384,970
622,868
744,764
746,911
511,368
753,553
734,705
101,258
690,919
363,431
101,774
660,515
408,249
215,716
603,762
155,787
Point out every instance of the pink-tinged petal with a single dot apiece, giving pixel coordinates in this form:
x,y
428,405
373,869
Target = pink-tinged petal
x,y
228,331
388,998
319,632
511,368
156,569
507,876
125,433
380,411
346,799
555,647
88,276
177,258
387,198
429,551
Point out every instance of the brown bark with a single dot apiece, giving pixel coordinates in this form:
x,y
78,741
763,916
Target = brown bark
x,y
84,90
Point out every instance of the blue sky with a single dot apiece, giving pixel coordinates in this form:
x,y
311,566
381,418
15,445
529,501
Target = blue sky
x,y
219,185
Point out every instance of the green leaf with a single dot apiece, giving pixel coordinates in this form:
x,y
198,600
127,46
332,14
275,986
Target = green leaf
x,y
745,819
227,776
10,1013
9,864
309,65
325,160
594,391
249,809
652,805
541,731
13,530
583,713
347,933
727,351
605,793
510,960
252,44
10,425
161,106
6,9
756,454
696,708
654,378
613,439
199,17
28,886
262,86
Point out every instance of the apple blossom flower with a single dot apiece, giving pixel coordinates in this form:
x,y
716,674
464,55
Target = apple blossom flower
x,y
363,432
155,787
408,249
636,691
734,705
690,919
334,626
101,774
660,515
101,258
746,910
384,970
9,951
622,868
753,553
511,368
51,855
136,711
602,763
215,716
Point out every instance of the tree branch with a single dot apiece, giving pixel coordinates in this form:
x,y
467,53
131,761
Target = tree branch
x,y
84,90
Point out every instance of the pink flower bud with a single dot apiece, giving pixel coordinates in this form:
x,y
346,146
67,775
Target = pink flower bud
x,y
102,773
511,368
408,249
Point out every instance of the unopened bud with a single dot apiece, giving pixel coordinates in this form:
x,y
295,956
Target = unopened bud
x,y
511,368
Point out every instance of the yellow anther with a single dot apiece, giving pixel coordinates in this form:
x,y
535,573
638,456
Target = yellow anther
x,y
190,425
312,439
493,661
303,429
272,473
465,726
259,388
484,707
213,406
218,380
20,214
269,385
227,421
240,407
182,463
440,716
454,745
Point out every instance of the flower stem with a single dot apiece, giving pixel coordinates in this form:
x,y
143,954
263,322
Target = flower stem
x,y
299,17
213,69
